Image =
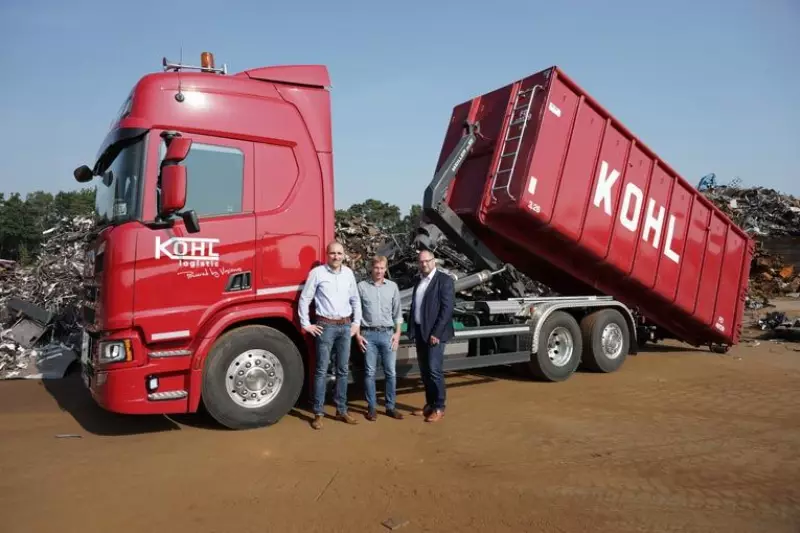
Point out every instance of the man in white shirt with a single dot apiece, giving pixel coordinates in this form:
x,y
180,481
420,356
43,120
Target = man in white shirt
x,y
430,327
333,288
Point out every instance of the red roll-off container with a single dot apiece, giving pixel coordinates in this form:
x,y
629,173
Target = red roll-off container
x,y
559,188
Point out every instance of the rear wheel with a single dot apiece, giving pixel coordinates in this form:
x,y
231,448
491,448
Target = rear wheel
x,y
253,376
558,351
607,339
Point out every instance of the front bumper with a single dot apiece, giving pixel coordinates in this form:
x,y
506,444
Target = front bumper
x,y
129,389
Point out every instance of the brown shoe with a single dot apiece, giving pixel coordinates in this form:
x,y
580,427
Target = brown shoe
x,y
435,416
422,412
372,416
346,418
317,422
392,413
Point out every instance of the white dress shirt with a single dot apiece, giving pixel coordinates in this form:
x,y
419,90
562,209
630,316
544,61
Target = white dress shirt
x,y
421,287
335,294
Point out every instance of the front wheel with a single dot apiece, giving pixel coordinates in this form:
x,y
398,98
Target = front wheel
x,y
253,376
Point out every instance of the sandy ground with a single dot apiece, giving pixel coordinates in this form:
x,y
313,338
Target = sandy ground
x,y
679,440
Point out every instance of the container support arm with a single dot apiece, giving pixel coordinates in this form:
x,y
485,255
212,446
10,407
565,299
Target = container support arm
x,y
436,211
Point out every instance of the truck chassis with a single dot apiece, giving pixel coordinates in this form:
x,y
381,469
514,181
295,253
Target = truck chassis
x,y
548,338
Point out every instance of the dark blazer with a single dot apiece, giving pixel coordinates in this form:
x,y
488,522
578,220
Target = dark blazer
x,y
437,309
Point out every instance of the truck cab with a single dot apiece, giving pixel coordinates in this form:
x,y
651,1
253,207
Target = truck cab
x,y
214,200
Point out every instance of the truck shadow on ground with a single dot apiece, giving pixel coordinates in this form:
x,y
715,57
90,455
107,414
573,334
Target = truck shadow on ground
x,y
72,397
519,373
356,399
651,348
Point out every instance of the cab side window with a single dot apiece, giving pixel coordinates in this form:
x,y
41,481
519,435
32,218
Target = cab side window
x,y
216,179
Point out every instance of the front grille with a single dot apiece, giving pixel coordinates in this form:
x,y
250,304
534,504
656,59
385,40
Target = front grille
x,y
91,292
98,263
91,297
89,315
91,286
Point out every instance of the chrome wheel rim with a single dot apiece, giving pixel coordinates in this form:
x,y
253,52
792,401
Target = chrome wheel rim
x,y
612,341
254,378
560,346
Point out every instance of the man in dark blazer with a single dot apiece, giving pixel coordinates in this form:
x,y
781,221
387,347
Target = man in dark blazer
x,y
430,326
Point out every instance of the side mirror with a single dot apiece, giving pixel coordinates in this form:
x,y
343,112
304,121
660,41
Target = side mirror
x,y
83,174
174,181
190,221
173,189
177,150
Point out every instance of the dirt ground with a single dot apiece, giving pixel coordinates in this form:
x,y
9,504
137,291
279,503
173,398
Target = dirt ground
x,y
678,440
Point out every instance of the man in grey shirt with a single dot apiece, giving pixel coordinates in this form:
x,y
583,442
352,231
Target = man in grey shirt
x,y
381,320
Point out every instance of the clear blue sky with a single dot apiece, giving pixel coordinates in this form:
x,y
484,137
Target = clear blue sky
x,y
711,86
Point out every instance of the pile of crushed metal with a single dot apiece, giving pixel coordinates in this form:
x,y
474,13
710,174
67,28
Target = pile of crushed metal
x,y
40,305
773,220
779,325
760,211
771,277
363,239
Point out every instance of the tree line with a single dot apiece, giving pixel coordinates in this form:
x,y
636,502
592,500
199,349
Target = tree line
x,y
22,220
386,217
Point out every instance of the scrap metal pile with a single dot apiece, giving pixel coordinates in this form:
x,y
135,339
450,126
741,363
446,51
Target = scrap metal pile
x,y
40,305
764,214
771,277
759,211
363,239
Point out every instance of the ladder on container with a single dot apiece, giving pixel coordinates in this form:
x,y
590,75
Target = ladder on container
x,y
514,120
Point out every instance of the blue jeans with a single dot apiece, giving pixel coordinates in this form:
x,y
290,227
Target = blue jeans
x,y
379,347
334,338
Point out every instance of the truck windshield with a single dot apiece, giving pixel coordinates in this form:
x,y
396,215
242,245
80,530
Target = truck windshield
x,y
118,196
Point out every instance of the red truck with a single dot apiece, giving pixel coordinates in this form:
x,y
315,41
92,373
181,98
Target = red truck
x,y
216,197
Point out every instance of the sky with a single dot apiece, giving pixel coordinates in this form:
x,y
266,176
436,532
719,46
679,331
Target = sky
x,y
710,86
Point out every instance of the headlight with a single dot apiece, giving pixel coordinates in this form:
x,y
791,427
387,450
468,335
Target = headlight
x,y
114,351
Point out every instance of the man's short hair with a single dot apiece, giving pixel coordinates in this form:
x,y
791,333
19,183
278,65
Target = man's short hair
x,y
332,244
379,259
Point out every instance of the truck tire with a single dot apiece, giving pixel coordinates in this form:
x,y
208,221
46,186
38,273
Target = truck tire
x,y
606,337
253,376
558,351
